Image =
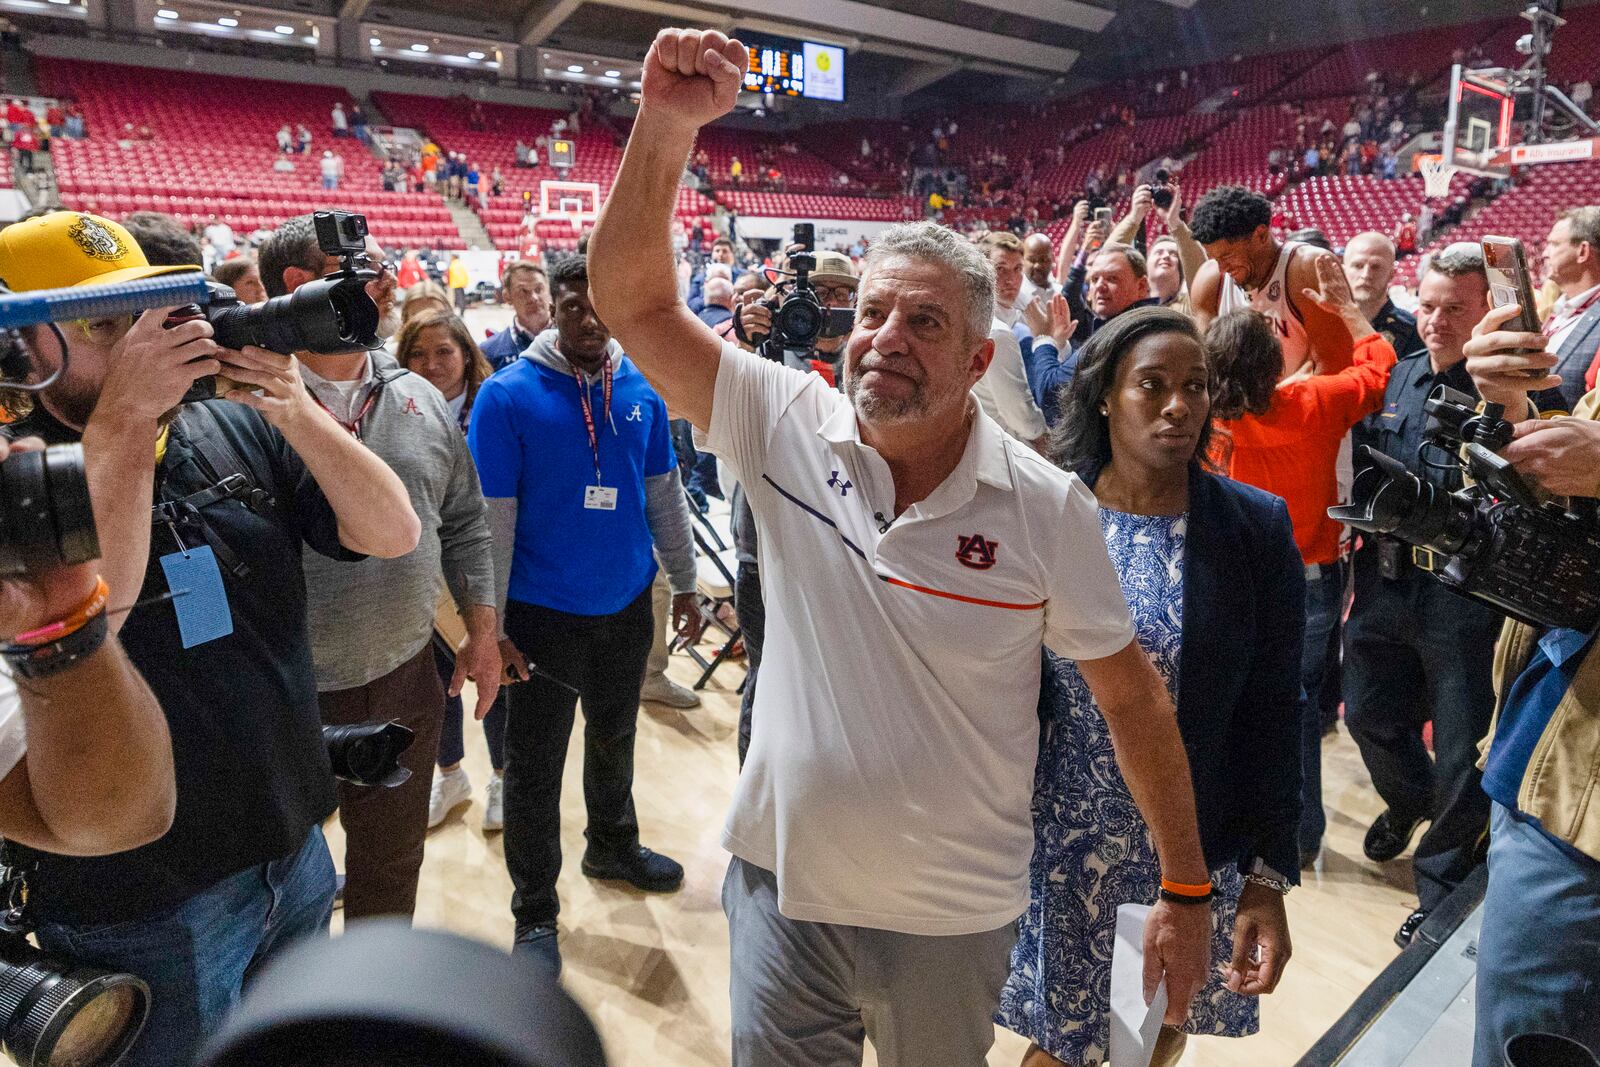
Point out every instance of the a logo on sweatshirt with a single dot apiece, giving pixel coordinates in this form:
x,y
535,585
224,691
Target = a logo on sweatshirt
x,y
636,415
841,484
411,407
976,551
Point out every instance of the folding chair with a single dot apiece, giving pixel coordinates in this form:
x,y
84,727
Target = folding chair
x,y
714,568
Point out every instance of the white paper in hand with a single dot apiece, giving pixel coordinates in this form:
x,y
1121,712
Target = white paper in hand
x,y
1135,1025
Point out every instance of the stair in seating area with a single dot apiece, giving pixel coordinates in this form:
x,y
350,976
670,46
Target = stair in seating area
x,y
473,235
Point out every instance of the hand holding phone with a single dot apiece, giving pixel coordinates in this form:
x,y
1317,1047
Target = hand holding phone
x,y
1510,282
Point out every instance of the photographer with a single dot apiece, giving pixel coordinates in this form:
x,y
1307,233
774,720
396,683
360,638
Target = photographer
x,y
898,521
85,758
219,633
372,622
1539,952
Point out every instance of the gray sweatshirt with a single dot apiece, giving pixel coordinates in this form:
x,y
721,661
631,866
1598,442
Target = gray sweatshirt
x,y
368,618
666,507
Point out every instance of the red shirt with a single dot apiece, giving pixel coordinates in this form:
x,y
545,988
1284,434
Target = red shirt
x,y
409,274
1291,451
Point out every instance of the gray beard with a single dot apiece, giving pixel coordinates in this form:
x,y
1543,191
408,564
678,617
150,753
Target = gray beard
x,y
877,409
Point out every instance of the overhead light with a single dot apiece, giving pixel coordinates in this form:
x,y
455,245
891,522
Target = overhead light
x,y
166,13
493,64
225,21
575,69
419,47
375,41
613,73
474,55
62,1
287,31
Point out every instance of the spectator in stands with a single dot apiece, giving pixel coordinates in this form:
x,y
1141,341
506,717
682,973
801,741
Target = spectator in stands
x,y
54,119
1287,440
26,142
1003,391
163,239
576,546
302,139
438,346
371,623
1249,268
1038,259
410,272
497,182
341,123
242,275
527,290
76,129
1210,571
1572,261
332,167
457,278
222,237
1405,235
244,869
718,307
1414,651
735,171
285,139
19,115
1369,267
887,759
426,295
358,124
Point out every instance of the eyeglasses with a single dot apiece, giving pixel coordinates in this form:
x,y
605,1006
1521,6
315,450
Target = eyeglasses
x,y
106,331
836,295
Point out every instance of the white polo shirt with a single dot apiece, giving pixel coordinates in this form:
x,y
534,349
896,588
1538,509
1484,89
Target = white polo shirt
x,y
13,733
890,773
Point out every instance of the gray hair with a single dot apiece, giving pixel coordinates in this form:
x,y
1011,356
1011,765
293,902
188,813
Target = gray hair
x,y
932,243
1584,222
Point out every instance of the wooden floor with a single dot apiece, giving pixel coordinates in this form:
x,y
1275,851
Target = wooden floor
x,y
653,970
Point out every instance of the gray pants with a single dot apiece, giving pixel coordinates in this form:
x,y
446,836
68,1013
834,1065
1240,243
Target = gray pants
x,y
808,994
661,608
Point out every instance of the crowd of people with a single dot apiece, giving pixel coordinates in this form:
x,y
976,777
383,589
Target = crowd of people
x,y
1054,516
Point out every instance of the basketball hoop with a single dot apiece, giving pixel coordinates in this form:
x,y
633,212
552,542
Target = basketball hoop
x,y
1436,175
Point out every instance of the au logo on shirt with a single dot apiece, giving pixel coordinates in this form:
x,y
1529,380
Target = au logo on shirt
x,y
976,551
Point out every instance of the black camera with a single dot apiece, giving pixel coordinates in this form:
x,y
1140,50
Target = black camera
x,y
329,316
46,518
1494,541
799,318
1161,190
368,753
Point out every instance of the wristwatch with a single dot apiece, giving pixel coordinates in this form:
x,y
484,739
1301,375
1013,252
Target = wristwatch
x,y
1264,876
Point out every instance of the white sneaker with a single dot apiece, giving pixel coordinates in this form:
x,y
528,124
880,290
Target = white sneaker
x,y
663,690
494,806
449,790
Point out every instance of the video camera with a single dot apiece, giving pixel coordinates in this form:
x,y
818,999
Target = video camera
x,y
1495,540
56,1012
329,316
799,318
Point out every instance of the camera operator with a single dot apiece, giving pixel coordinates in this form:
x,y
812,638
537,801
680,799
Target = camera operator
x,y
835,280
1414,651
219,633
917,558
372,622
85,757
1539,953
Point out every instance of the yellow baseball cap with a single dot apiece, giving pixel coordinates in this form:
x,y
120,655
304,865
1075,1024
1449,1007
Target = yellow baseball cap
x,y
67,248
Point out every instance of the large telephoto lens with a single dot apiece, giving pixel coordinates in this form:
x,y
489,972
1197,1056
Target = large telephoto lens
x,y
57,1013
328,316
46,519
1389,499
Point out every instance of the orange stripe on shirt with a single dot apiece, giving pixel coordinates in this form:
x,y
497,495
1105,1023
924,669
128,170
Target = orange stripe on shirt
x,y
963,599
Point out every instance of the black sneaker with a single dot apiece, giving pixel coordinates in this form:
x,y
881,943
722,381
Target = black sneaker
x,y
639,867
1387,838
539,942
1408,929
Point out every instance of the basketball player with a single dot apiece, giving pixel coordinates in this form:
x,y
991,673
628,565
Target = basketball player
x,y
1250,269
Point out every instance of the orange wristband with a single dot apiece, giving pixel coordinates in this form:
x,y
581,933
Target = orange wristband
x,y
74,622
1182,889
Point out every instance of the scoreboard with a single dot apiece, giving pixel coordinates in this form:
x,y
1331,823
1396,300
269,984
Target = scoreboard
x,y
796,68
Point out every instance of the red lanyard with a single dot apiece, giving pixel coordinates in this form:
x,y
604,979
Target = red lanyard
x,y
588,411
1572,315
351,428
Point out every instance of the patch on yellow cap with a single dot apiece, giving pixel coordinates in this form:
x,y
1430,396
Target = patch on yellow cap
x,y
96,240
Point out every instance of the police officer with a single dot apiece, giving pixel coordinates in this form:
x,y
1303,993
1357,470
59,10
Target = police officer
x,y
1369,267
1414,651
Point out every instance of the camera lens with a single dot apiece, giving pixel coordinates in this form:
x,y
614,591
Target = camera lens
x,y
46,518
63,1014
799,321
1162,176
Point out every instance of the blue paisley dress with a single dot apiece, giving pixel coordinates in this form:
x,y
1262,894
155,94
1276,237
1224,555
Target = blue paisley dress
x,y
1092,850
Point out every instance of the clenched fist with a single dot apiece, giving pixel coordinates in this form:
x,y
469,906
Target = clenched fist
x,y
692,77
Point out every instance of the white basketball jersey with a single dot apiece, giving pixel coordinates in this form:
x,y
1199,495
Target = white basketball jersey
x,y
1272,300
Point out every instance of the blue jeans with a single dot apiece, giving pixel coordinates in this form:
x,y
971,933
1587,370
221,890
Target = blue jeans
x,y
198,956
1539,952
1324,599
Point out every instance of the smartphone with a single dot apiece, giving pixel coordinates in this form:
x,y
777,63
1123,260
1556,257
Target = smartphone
x,y
1506,263
1102,214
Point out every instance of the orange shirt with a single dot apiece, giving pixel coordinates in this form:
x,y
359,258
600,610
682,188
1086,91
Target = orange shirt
x,y
1292,449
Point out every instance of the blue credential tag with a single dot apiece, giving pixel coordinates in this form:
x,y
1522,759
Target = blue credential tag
x,y
198,595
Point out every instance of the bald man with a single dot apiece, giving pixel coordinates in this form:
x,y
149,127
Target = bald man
x,y
1369,267
1038,257
718,307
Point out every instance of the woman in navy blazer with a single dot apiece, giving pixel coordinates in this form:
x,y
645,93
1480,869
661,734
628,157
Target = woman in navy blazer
x,y
1216,587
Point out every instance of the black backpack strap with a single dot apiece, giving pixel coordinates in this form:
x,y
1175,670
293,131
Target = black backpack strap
x,y
221,462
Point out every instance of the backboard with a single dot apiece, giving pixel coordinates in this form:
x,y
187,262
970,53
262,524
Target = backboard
x,y
1480,123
